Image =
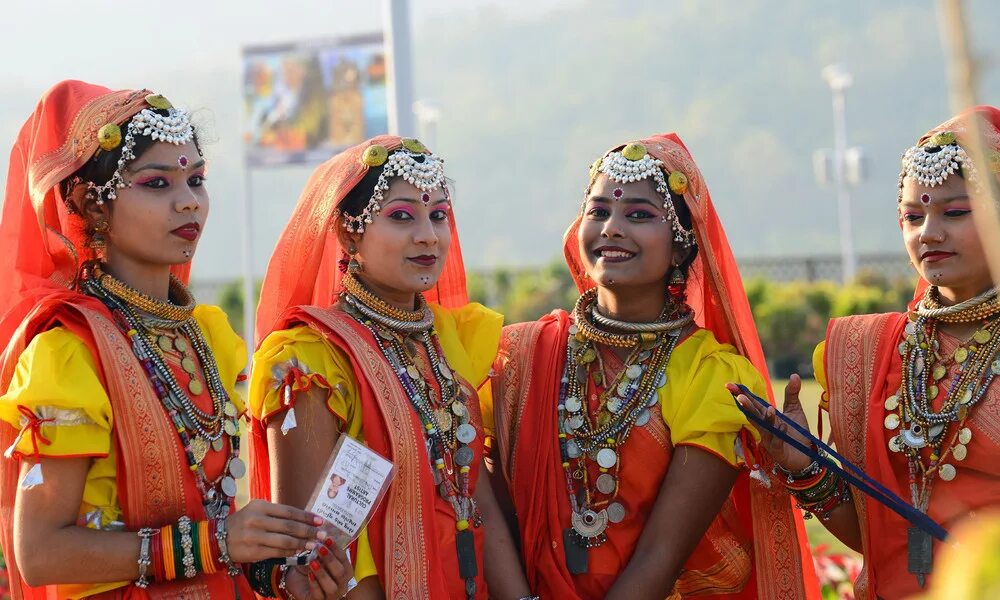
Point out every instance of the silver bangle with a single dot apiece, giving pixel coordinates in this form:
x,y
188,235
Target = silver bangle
x,y
283,582
145,546
221,538
187,546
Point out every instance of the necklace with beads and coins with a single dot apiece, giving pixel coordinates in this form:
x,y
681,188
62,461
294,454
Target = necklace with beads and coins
x,y
164,334
409,343
926,419
597,412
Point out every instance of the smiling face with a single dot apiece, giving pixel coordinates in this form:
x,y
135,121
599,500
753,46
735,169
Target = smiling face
x,y
403,250
941,237
157,220
625,238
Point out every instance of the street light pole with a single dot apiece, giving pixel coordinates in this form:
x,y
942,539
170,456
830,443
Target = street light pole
x,y
839,79
396,14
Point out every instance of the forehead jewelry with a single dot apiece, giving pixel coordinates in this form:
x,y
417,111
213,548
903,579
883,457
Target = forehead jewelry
x,y
925,199
931,164
182,162
172,128
633,163
413,163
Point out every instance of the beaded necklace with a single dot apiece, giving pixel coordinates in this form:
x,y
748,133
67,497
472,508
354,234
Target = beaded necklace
x,y
586,436
198,430
939,434
444,415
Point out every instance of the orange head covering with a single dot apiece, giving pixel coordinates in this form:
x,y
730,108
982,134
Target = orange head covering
x,y
304,266
42,242
956,132
714,287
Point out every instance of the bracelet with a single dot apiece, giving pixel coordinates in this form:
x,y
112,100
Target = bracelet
x,y
529,598
260,575
145,561
221,538
792,476
167,543
824,508
187,544
283,583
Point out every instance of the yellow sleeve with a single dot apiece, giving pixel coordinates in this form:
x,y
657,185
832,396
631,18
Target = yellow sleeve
x,y
56,380
470,338
304,358
228,348
695,403
364,562
819,364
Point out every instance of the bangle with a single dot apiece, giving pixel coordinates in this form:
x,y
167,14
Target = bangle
x,y
283,583
261,577
221,538
811,469
157,556
205,548
167,543
187,544
145,545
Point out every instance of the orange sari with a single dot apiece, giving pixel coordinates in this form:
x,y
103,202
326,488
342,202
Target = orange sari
x,y
756,546
863,367
43,245
412,534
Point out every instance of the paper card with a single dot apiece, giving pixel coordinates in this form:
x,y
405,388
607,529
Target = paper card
x,y
354,482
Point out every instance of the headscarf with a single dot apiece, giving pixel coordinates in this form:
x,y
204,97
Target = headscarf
x,y
714,286
42,242
304,266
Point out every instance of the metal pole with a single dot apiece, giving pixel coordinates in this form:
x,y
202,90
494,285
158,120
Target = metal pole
x,y
249,298
400,81
848,260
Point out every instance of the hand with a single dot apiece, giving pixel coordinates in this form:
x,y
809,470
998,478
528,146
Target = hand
x,y
783,453
262,530
325,578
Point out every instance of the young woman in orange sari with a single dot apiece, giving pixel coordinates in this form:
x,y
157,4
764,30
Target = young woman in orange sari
x,y
617,439
117,398
911,396
367,331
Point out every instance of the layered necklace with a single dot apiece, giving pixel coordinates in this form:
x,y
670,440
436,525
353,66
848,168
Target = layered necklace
x,y
935,440
443,411
590,439
164,332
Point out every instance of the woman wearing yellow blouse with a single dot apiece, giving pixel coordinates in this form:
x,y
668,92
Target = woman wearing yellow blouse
x,y
617,438
117,399
367,331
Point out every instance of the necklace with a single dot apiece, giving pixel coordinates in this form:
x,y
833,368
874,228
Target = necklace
x,y
198,430
935,440
167,311
589,439
443,413
594,328
355,288
981,307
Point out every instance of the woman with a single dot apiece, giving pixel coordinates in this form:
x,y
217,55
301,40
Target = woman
x,y
911,395
367,332
118,404
618,441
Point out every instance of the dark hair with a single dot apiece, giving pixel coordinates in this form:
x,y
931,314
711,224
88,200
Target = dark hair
x,y
100,168
684,217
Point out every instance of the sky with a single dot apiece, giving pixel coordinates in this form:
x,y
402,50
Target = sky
x,y
191,54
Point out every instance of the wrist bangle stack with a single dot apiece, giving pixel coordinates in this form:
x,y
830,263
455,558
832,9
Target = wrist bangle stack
x,y
183,549
816,489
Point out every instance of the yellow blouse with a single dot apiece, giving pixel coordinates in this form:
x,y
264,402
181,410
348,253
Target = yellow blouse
x,y
56,377
469,338
696,406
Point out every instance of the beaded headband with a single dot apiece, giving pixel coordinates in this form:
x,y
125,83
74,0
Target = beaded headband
x,y
633,163
931,164
412,162
173,128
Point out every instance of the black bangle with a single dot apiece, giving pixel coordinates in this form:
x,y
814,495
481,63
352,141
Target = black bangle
x,y
259,576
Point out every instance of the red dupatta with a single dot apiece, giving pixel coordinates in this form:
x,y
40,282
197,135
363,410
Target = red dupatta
x,y
863,368
783,565
43,246
302,281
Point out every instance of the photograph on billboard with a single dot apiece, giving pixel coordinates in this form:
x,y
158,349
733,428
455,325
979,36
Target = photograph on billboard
x,y
306,101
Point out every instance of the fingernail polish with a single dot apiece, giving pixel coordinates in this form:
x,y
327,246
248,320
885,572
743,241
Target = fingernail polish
x,y
310,546
321,535
314,565
312,577
328,542
323,550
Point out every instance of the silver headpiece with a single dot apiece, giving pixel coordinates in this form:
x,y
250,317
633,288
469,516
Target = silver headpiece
x,y
173,128
938,158
412,163
633,163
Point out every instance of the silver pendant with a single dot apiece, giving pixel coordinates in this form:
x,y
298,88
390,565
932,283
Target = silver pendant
x,y
464,456
465,433
590,524
643,418
573,449
606,457
228,486
616,512
606,483
913,437
237,468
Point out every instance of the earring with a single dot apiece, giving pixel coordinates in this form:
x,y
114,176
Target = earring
x,y
677,286
353,266
98,238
